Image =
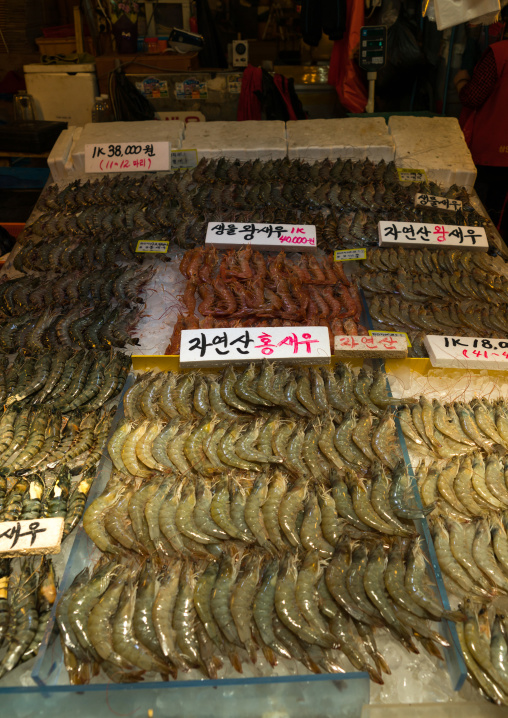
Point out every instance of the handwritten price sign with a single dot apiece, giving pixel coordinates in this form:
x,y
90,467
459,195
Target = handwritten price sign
x,y
430,200
411,234
470,352
301,238
213,347
128,157
389,346
40,536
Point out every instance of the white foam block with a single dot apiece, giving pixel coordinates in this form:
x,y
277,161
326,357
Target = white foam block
x,y
243,141
60,153
389,347
217,347
349,138
118,132
467,352
435,144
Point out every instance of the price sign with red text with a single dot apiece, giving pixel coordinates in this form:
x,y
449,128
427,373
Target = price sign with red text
x,y
366,346
214,347
274,237
127,157
418,234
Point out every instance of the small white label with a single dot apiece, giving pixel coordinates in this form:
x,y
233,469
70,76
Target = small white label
x,y
184,159
146,245
127,157
214,347
371,346
380,333
348,255
411,175
430,200
297,238
409,234
472,352
31,537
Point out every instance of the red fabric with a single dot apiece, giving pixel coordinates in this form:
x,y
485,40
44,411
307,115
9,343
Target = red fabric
x,y
344,73
489,142
249,105
482,84
281,84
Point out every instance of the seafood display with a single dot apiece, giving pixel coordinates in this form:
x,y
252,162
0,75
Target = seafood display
x,y
443,292
249,519
27,595
244,288
344,199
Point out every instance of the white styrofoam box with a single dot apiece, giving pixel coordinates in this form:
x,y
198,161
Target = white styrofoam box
x,y
117,132
60,154
246,140
69,165
62,92
354,138
435,144
187,116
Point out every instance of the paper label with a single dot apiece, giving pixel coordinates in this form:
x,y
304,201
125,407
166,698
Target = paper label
x,y
430,200
410,175
269,236
184,159
380,333
410,234
472,352
127,157
214,347
348,255
31,537
156,247
375,346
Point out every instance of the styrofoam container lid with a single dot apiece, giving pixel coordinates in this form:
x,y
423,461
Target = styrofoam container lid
x,y
41,67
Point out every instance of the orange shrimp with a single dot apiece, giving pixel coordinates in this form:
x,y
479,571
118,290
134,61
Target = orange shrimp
x,y
320,303
355,296
300,294
349,308
190,322
318,276
239,291
188,297
195,264
328,271
226,298
206,307
207,323
209,263
350,327
338,270
255,293
242,260
174,345
312,313
186,259
302,273
291,310
259,266
336,307
337,326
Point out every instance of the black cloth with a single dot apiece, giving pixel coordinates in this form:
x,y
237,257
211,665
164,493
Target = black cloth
x,y
492,188
318,16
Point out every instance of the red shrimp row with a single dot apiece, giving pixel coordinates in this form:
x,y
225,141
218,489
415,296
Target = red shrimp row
x,y
242,288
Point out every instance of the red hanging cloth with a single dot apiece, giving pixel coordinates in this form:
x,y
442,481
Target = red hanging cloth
x,y
344,73
249,105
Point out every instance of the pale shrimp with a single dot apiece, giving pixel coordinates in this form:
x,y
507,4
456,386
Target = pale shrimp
x,y
449,564
408,427
289,508
116,443
244,388
202,597
237,501
93,518
202,516
221,599
217,403
184,618
136,509
494,478
162,615
166,400
318,391
469,426
129,457
308,576
330,524
335,577
304,393
161,441
485,423
318,466
182,395
445,486
415,581
326,444
220,510
463,488
242,599
193,446
479,483
148,401
227,391
281,438
117,522
210,444
167,519
152,509
343,502
381,503
270,509
355,582
253,514
360,490
266,435
362,434
461,546
384,441
184,516
200,399
264,610
133,395
244,447
144,447
311,535
489,686
294,448
175,449
226,452
394,583
290,400
344,442
484,557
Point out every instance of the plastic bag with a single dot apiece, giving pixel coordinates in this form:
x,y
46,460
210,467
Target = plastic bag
x,y
455,12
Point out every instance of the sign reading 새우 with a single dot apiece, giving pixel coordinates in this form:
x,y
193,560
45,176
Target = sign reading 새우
x,y
215,347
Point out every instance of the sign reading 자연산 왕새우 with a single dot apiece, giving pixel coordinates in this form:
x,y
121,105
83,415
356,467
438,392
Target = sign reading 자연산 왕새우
x,y
215,347
365,346
33,536
467,352
430,200
270,237
419,234
127,157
